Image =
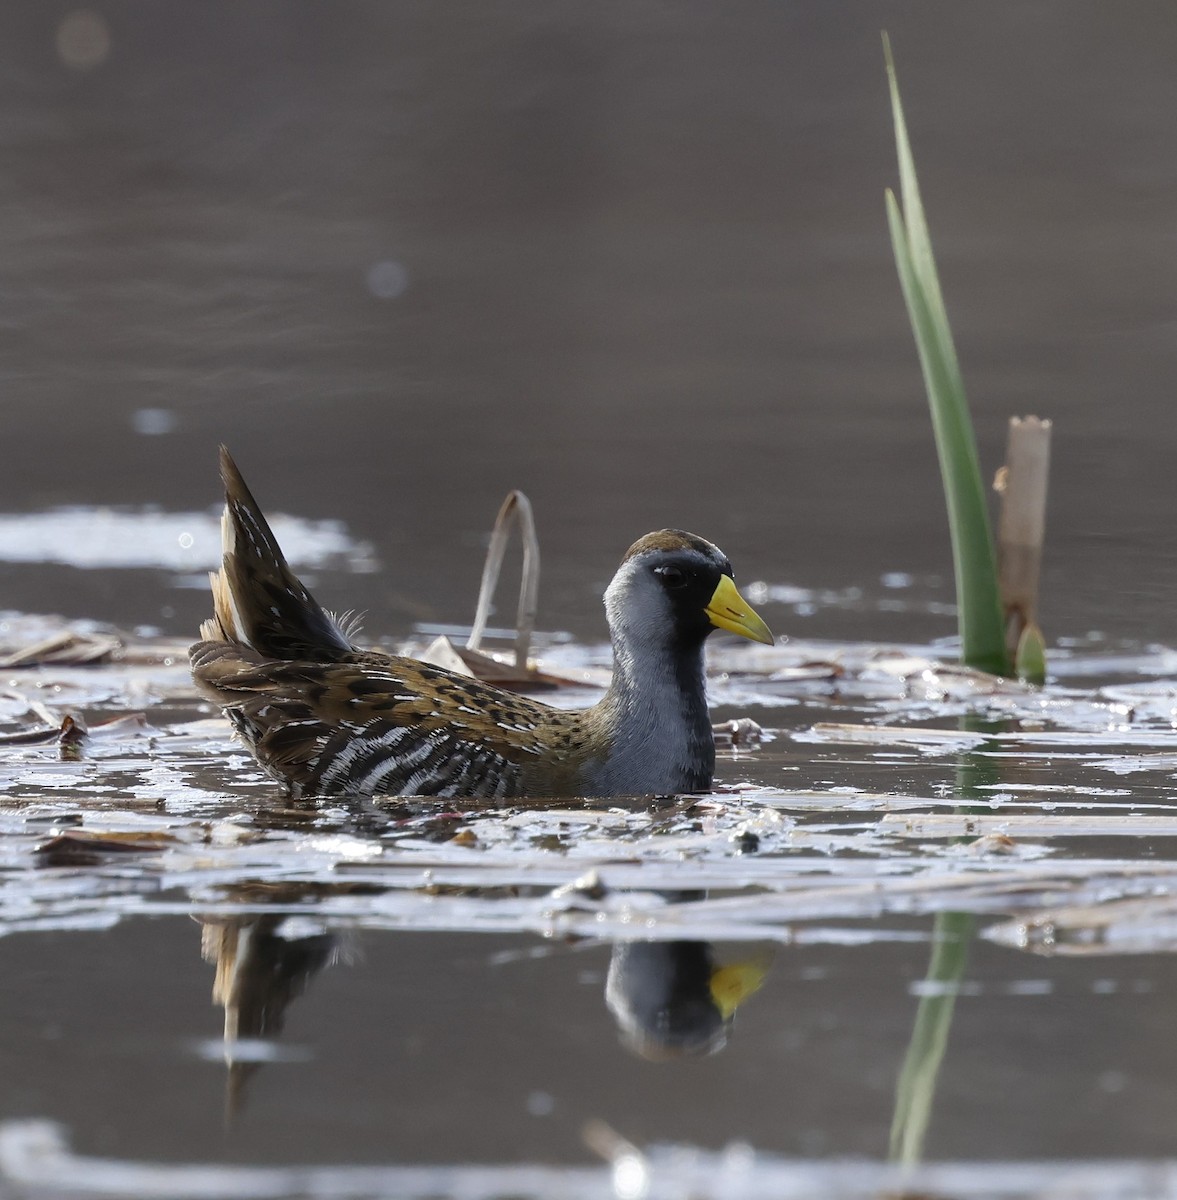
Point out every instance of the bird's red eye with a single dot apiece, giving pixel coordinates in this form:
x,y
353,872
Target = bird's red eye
x,y
671,577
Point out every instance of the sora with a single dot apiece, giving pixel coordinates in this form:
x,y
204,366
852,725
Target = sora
x,y
325,718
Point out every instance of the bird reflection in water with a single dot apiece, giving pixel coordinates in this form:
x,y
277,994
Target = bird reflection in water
x,y
670,999
674,999
263,963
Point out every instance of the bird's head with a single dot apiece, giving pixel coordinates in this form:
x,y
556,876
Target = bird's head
x,y
673,589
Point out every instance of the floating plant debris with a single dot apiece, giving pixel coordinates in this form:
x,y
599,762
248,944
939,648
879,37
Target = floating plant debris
x,y
167,814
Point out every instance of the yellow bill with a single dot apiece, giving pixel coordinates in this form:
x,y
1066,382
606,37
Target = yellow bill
x,y
727,609
732,985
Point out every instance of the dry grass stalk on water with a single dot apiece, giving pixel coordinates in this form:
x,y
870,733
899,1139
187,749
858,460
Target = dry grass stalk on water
x,y
471,659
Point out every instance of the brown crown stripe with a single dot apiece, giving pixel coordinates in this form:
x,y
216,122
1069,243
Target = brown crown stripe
x,y
671,539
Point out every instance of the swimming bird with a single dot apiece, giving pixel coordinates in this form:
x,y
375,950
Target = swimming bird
x,y
326,718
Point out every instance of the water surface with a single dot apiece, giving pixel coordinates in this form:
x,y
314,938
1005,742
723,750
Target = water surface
x,y
632,259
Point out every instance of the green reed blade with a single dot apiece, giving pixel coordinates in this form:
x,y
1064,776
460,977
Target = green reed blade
x,y
974,561
1030,659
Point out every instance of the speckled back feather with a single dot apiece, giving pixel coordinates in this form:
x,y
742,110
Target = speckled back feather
x,y
376,724
326,718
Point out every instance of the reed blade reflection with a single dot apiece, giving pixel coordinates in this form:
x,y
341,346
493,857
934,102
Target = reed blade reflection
x,y
915,1093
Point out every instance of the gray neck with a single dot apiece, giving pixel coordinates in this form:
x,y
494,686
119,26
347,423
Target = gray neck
x,y
657,709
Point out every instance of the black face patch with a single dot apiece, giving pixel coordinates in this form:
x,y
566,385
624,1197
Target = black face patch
x,y
688,578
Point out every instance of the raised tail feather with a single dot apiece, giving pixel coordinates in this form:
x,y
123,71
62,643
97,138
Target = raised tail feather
x,y
257,600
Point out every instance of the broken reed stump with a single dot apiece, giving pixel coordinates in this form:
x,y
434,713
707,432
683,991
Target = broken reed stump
x,y
1022,485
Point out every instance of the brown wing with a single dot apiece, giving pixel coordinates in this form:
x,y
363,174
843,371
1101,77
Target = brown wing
x,y
374,724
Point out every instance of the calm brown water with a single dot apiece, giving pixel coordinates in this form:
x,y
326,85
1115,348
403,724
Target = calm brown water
x,y
639,267
631,258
